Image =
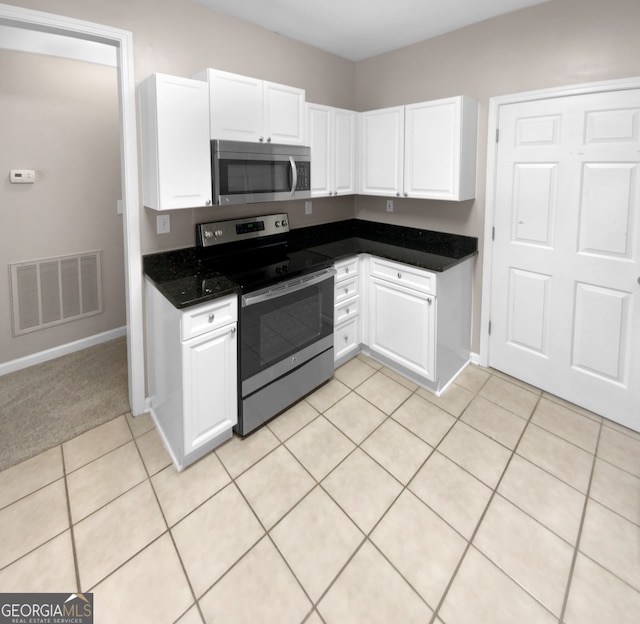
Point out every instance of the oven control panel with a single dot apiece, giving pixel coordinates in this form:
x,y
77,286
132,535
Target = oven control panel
x,y
236,230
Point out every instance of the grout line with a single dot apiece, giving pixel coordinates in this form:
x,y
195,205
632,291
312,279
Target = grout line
x,y
576,549
71,524
167,529
479,523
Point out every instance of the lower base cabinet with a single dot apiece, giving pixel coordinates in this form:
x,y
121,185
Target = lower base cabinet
x,y
402,326
415,321
192,374
346,333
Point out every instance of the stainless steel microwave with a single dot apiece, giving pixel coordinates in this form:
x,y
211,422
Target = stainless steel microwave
x,y
246,173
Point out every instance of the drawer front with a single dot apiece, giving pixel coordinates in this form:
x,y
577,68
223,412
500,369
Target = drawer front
x,y
348,287
346,268
346,338
209,316
404,275
347,310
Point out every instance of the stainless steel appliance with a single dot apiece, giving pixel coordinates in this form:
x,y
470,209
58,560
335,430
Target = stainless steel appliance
x,y
244,173
286,312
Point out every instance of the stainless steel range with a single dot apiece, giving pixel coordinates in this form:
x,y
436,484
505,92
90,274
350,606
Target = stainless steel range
x,y
286,312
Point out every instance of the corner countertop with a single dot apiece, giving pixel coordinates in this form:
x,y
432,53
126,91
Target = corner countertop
x,y
185,280
433,251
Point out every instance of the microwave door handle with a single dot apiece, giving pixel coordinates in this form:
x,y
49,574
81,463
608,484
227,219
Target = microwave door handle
x,y
294,176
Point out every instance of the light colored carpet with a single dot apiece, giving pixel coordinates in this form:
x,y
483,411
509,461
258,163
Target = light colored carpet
x,y
50,403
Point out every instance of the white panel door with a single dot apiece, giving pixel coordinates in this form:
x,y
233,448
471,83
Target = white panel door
x,y
209,381
236,106
565,291
382,151
344,152
432,148
319,139
283,114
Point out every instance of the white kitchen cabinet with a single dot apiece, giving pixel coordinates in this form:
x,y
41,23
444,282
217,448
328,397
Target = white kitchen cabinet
x,y
425,150
346,335
247,109
176,152
415,321
419,321
331,134
192,363
402,313
382,151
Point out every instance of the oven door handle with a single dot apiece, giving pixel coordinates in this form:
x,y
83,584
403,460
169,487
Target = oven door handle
x,y
280,290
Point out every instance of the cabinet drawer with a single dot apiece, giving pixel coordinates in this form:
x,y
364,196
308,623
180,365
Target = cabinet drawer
x,y
347,310
346,338
209,316
348,287
346,268
404,275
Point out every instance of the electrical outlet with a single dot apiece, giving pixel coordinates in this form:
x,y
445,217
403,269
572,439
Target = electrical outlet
x,y
307,207
389,205
163,224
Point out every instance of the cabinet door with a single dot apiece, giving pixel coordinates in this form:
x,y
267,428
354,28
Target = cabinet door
x,y
382,149
440,149
283,114
176,163
209,378
237,105
402,326
319,139
344,152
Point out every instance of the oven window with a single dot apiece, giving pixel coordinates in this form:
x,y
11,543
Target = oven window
x,y
279,328
239,177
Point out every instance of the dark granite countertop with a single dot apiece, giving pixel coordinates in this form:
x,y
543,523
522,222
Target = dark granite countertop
x,y
186,280
434,251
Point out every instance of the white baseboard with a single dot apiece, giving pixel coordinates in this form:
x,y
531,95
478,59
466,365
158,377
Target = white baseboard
x,y
474,358
65,349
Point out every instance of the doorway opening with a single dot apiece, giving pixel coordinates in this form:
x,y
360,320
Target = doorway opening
x,y
121,42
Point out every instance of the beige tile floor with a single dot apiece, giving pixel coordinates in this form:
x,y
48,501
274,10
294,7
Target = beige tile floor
x,y
370,501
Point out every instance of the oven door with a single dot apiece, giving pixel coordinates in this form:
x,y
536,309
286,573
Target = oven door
x,y
284,326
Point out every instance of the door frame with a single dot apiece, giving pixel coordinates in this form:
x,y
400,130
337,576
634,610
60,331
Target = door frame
x,y
495,103
122,40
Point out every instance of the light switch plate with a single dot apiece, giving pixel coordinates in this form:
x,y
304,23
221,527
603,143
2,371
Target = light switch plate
x,y
389,205
308,207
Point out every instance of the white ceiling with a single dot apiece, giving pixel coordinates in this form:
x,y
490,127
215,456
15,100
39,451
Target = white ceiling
x,y
359,29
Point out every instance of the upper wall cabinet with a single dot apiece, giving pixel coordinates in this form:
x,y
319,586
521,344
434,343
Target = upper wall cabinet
x,y
425,150
331,133
381,151
247,109
176,152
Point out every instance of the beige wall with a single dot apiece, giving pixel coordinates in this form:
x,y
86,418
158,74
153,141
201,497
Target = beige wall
x,y
172,36
181,37
559,43
60,118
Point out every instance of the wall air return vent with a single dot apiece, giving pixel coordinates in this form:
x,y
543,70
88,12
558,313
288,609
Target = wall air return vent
x,y
54,291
